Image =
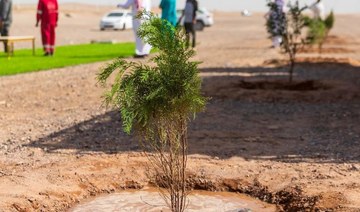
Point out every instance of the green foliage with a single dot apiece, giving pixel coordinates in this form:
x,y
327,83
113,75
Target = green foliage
x,y
316,31
148,95
330,21
23,61
157,101
307,20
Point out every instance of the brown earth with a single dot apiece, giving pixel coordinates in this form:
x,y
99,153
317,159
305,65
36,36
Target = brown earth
x,y
330,40
295,147
326,50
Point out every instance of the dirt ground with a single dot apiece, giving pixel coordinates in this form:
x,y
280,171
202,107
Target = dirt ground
x,y
297,146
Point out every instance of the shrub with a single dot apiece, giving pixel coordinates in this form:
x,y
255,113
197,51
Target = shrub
x,y
316,31
319,30
330,21
157,102
292,36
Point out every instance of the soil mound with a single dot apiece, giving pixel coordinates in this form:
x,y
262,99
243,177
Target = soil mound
x,y
309,85
327,50
312,60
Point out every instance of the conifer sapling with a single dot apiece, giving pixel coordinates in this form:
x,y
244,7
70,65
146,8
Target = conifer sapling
x,y
157,102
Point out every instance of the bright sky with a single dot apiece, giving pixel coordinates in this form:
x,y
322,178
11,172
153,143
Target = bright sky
x,y
339,6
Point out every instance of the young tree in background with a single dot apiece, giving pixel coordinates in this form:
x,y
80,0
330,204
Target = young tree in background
x,y
293,39
289,26
318,30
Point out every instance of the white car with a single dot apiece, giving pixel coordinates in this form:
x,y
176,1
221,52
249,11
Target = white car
x,y
116,20
203,18
246,13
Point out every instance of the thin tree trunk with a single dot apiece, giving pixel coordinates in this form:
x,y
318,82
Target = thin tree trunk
x,y
320,47
291,71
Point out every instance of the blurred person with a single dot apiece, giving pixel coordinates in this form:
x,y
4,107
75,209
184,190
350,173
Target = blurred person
x,y
168,11
48,15
318,10
275,21
189,14
5,19
142,49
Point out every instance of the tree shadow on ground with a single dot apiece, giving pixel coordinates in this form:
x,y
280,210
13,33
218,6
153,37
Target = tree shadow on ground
x,y
102,133
246,125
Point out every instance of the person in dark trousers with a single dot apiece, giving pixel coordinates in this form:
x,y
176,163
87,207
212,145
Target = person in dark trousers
x,y
47,14
5,19
189,15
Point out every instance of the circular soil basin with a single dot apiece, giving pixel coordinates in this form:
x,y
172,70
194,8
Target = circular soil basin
x,y
150,200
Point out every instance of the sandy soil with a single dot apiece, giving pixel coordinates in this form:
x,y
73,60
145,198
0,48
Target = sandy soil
x,y
133,200
294,146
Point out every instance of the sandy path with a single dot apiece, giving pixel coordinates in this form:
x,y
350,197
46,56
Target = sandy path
x,y
59,146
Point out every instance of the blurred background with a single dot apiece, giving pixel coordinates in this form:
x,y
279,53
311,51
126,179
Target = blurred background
x,y
344,6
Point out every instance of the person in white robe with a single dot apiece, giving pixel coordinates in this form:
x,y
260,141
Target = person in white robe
x,y
318,9
142,49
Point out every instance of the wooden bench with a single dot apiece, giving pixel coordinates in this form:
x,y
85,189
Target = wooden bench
x,y
10,40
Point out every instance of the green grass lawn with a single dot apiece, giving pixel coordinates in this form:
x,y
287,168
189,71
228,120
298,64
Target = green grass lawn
x,y
23,60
